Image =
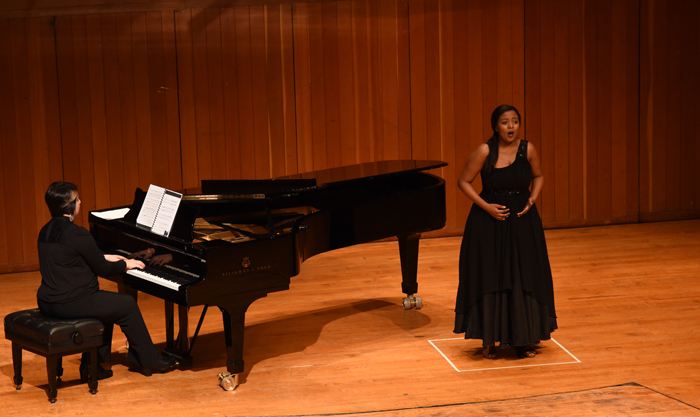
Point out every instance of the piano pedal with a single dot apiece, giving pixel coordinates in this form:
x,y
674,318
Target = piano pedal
x,y
227,381
412,301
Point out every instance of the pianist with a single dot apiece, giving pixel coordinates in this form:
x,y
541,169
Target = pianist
x,y
70,261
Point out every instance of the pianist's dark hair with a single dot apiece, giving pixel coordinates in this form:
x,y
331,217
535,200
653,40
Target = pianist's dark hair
x,y
61,198
492,157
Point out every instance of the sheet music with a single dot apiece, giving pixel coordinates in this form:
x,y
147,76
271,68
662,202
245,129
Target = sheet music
x,y
151,204
166,214
159,209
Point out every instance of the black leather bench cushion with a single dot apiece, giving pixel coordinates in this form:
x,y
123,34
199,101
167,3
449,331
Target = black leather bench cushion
x,y
49,335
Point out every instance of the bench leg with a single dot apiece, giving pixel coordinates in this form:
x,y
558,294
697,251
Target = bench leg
x,y
17,364
59,368
51,371
94,366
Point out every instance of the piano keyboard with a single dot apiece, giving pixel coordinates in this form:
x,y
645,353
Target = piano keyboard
x,y
143,274
165,275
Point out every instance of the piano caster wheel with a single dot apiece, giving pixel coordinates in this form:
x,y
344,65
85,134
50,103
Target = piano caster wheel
x,y
411,302
227,381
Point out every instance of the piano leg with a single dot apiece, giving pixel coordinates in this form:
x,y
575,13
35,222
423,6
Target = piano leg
x,y
179,348
234,327
169,325
408,250
183,321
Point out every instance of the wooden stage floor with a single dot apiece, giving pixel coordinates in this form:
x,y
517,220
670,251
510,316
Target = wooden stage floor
x,y
339,343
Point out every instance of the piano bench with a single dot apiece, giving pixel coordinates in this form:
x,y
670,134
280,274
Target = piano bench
x,y
53,338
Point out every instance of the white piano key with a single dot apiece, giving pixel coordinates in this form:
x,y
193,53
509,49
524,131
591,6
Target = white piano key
x,y
154,279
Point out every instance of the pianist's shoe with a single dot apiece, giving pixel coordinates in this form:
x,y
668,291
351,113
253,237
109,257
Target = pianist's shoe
x,y
163,364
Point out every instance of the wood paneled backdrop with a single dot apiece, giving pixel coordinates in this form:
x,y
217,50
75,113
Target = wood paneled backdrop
x,y
114,96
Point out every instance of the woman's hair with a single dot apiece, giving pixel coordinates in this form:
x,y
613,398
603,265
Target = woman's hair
x,y
492,157
61,197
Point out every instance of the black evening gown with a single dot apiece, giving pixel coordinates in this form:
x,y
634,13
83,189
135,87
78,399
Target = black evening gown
x,y
505,290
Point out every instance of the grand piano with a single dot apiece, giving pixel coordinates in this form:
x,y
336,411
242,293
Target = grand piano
x,y
235,241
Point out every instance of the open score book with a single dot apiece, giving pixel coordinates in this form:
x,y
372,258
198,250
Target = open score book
x,y
159,209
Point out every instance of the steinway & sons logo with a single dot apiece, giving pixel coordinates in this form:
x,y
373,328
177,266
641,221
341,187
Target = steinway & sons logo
x,y
246,264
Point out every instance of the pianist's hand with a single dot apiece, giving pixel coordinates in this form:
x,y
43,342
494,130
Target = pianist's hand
x,y
115,258
133,263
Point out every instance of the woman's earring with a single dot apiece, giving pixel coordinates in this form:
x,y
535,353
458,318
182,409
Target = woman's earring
x,y
71,217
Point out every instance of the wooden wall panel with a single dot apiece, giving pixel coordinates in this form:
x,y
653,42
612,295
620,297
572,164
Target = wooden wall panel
x,y
468,123
274,79
485,63
575,110
172,93
447,110
546,128
30,148
97,116
185,87
352,78
236,92
630,115
326,20
261,107
692,130
114,83
560,119
25,200
688,133
41,164
669,187
581,101
317,86
11,229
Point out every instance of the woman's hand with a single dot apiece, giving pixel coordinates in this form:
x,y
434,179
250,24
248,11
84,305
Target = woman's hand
x,y
498,211
133,263
529,204
114,258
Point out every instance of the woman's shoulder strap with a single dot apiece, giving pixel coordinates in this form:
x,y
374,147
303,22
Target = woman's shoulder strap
x,y
522,149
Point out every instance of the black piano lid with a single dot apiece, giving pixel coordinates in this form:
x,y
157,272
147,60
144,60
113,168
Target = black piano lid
x,y
367,170
217,190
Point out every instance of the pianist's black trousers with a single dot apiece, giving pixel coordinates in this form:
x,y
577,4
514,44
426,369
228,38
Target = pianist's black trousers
x,y
110,308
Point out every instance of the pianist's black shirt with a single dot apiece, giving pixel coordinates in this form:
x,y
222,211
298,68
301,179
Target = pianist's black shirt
x,y
69,261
